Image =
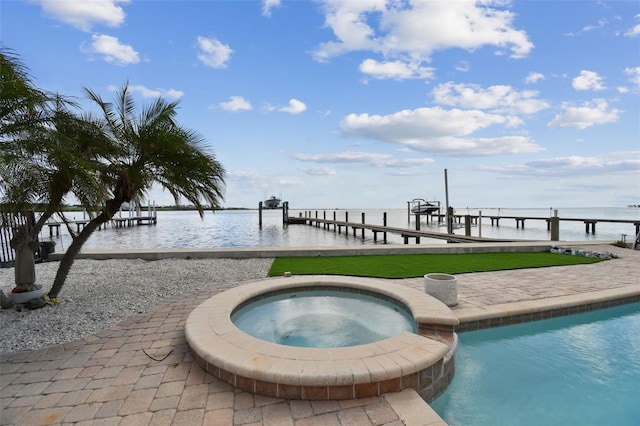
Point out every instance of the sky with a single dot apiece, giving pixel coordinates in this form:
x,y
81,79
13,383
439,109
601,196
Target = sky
x,y
365,104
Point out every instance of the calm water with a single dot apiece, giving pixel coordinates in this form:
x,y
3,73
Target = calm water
x,y
239,228
322,319
576,370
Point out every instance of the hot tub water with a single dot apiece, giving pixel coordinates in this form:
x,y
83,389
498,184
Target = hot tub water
x,y
322,319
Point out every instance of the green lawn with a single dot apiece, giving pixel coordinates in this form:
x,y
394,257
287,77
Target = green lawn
x,y
417,265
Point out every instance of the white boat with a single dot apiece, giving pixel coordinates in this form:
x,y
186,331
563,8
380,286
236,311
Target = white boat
x,y
423,207
272,203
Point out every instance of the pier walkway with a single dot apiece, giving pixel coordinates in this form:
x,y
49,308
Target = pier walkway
x,y
116,222
405,233
590,224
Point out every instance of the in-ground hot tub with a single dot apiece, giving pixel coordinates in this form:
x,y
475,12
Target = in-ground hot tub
x,y
312,318
421,361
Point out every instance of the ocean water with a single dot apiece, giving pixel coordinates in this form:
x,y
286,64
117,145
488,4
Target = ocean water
x,y
240,228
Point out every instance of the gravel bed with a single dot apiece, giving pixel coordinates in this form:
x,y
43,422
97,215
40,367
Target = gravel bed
x,y
101,293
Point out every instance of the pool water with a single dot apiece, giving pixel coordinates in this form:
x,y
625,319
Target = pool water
x,y
323,319
582,369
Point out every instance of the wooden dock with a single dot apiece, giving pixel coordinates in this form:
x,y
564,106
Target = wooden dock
x,y
590,224
406,233
116,222
120,222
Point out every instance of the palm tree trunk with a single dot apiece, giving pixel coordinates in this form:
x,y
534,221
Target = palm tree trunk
x,y
49,211
70,255
41,221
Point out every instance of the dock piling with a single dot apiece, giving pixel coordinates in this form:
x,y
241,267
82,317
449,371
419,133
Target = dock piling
x,y
555,226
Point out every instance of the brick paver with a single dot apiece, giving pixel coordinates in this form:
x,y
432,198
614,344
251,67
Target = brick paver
x,y
108,379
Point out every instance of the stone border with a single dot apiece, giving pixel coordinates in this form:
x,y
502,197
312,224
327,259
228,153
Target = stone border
x,y
420,361
472,319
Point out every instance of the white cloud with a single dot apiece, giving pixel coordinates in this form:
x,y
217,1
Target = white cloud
x,y
213,53
411,31
499,98
601,23
534,77
172,93
371,158
295,107
112,50
152,93
236,103
635,30
418,123
463,66
606,164
588,114
397,70
84,14
588,80
438,131
634,76
267,5
319,171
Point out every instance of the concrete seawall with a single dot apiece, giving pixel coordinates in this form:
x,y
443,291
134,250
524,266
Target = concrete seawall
x,y
268,252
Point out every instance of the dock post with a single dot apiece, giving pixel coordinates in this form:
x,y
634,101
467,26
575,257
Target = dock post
x,y
346,220
260,214
480,223
555,226
334,221
467,225
449,209
363,226
417,222
450,220
285,212
384,223
408,211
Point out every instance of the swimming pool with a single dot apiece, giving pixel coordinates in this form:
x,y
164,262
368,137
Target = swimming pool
x,y
580,369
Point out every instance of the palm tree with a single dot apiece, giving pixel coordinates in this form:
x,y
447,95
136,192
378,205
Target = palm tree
x,y
54,161
149,147
22,106
46,150
21,103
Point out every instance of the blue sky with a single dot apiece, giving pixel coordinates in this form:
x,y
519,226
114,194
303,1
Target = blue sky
x,y
364,104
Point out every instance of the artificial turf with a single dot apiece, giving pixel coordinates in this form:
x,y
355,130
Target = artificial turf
x,y
417,265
